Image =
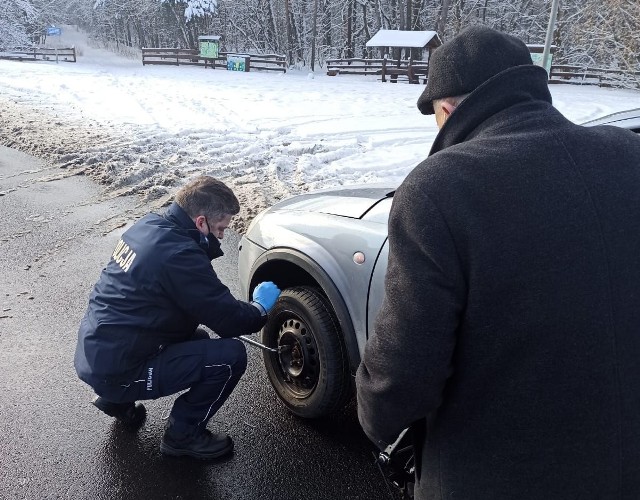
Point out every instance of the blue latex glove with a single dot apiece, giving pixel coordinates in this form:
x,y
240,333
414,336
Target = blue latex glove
x,y
266,294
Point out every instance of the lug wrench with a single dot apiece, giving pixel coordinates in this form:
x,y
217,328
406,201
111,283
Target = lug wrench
x,y
255,343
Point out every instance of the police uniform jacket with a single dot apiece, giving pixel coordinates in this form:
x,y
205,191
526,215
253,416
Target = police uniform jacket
x,y
509,337
156,289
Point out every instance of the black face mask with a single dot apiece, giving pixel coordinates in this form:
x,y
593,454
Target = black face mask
x,y
210,244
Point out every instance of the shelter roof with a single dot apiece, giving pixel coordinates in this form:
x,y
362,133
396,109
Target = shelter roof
x,y
399,38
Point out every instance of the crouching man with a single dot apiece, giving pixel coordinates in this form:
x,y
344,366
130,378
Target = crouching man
x,y
140,336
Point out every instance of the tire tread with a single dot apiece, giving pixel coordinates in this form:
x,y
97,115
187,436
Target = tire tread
x,y
337,363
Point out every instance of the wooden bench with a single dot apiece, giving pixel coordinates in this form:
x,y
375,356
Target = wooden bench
x,y
410,70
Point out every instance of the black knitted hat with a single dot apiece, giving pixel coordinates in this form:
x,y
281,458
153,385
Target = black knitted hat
x,y
467,61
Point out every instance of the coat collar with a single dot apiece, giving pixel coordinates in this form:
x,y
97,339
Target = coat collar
x,y
514,86
178,216
211,246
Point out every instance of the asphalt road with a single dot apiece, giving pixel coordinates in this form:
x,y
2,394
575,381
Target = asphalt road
x,y
56,234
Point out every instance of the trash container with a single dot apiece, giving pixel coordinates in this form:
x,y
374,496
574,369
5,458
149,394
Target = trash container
x,y
238,62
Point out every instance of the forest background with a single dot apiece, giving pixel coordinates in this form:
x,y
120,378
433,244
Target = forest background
x,y
596,33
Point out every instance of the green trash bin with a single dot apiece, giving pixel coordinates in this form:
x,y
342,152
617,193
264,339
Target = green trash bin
x,y
238,62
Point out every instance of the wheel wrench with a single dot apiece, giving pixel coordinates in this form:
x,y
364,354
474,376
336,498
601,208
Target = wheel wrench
x,y
255,343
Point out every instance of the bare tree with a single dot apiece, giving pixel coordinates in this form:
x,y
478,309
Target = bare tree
x,y
605,33
442,18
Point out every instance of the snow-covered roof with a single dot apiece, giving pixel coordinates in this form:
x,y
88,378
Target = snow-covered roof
x,y
399,38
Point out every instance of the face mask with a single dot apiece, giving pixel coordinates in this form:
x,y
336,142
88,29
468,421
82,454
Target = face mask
x,y
210,244
204,241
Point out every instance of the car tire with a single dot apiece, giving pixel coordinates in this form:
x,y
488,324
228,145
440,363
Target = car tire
x,y
311,374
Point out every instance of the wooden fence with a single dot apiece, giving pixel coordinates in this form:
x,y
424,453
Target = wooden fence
x,y
267,62
393,70
416,72
585,75
354,66
177,57
41,54
173,57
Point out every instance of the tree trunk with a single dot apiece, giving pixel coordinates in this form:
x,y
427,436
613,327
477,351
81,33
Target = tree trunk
x,y
442,18
273,27
365,27
349,37
415,17
287,17
314,32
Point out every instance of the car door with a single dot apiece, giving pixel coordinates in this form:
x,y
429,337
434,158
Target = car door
x,y
376,287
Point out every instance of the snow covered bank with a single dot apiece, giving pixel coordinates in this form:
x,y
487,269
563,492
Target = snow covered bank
x,y
148,129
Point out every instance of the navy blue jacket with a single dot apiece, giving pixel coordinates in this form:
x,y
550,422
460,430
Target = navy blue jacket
x,y
156,289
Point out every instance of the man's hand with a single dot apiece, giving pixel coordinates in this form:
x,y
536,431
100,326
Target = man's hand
x,y
266,294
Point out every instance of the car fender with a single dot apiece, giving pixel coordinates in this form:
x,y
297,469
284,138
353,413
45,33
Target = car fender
x,y
331,283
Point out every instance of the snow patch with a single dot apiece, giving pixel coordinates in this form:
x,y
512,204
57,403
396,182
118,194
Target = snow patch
x,y
148,130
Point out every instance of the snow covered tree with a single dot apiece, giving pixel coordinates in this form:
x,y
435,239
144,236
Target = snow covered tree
x,y
17,24
602,33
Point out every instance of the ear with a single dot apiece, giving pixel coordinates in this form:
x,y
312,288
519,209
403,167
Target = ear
x,y
447,108
200,223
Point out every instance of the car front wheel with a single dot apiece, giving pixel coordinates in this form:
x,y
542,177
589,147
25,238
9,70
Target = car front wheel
x,y
310,373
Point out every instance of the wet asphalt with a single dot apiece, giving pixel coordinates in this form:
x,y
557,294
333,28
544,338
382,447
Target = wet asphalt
x,y
56,234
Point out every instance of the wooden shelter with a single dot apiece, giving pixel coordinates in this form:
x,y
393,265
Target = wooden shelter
x,y
389,39
410,41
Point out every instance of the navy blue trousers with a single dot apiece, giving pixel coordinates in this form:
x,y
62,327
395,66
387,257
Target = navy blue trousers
x,y
209,368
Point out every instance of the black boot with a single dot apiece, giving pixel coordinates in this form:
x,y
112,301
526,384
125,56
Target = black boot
x,y
199,443
130,414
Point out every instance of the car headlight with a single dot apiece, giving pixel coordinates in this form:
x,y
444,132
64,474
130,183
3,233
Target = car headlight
x,y
255,221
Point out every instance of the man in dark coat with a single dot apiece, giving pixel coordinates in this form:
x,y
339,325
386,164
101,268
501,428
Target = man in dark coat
x,y
509,336
140,336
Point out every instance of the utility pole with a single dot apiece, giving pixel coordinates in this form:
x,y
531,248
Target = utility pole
x,y
550,29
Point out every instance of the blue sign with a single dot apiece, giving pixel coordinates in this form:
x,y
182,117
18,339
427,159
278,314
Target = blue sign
x,y
53,31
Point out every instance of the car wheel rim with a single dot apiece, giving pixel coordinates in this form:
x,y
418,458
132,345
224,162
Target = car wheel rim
x,y
298,357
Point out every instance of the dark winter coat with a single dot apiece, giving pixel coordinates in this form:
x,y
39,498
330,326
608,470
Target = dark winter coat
x,y
156,289
510,332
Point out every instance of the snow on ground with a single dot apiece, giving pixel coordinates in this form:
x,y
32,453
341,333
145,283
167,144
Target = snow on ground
x,y
147,129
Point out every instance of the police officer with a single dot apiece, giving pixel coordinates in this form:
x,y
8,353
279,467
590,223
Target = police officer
x,y
140,336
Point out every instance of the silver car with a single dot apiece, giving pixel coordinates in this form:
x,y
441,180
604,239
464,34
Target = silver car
x,y
328,252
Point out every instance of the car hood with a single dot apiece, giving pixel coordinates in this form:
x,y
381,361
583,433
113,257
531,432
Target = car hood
x,y
629,119
345,202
